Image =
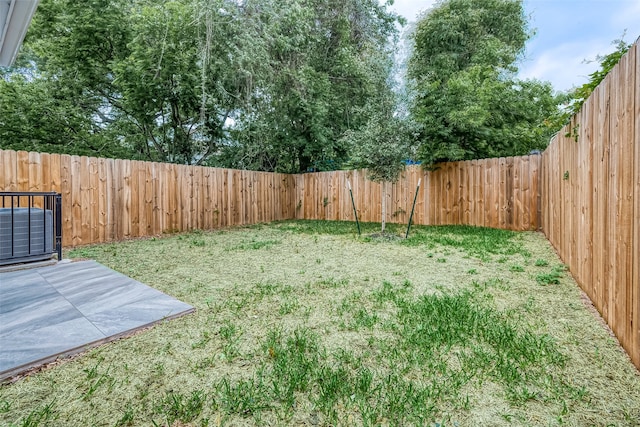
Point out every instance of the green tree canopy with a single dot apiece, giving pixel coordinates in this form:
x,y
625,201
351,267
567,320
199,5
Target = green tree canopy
x,y
260,84
328,60
466,96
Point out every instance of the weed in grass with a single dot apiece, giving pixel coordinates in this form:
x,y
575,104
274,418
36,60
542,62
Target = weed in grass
x,y
127,417
207,362
517,268
364,319
40,416
487,347
389,292
529,305
178,407
551,278
211,306
230,334
204,340
489,344
198,243
244,397
442,260
541,262
346,357
4,406
93,371
332,283
97,379
325,227
472,271
266,289
158,369
254,244
288,306
475,241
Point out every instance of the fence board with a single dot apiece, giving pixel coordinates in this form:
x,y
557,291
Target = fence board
x,y
106,199
635,281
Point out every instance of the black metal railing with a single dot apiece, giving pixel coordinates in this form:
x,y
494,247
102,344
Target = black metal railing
x,y
30,226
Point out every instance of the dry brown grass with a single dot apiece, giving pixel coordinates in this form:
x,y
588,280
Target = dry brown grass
x,y
247,282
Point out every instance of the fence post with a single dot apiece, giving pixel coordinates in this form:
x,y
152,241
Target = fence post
x,y
58,231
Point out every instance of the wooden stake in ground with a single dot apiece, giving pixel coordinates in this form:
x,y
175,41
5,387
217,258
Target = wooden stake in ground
x,y
413,208
353,203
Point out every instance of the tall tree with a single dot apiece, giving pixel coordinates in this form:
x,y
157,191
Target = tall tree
x,y
44,101
260,84
156,78
466,96
327,60
576,97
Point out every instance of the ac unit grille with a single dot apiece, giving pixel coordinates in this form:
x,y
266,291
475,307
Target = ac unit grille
x,y
25,234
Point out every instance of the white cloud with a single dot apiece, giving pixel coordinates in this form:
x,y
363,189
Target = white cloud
x,y
564,65
559,52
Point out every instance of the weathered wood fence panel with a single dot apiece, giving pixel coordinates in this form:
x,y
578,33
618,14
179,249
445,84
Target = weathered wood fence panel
x,y
591,199
108,200
499,193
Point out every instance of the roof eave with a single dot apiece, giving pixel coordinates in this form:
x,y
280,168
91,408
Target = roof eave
x,y
15,28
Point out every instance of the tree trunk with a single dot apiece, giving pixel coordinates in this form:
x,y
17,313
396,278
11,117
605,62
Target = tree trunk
x,y
384,204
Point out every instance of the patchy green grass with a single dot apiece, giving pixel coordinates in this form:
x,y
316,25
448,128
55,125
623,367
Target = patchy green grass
x,y
306,323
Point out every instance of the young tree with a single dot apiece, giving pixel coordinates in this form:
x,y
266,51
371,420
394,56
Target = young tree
x,y
382,147
466,96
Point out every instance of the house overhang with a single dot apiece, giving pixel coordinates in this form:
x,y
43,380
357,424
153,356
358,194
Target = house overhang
x,y
15,16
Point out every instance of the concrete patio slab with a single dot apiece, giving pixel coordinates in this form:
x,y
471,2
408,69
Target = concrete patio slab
x,y
56,311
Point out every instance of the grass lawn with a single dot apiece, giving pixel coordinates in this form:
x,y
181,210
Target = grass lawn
x,y
305,323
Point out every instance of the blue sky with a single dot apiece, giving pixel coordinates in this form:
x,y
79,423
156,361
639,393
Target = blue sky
x,y
568,32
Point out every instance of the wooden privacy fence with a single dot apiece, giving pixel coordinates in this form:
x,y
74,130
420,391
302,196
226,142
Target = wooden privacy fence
x,y
499,193
591,199
108,200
